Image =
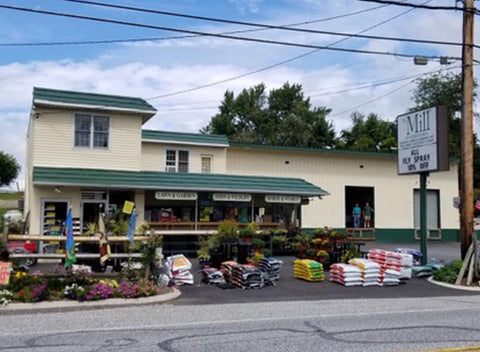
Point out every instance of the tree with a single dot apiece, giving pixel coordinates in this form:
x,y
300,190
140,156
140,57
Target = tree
x,y
369,134
283,117
9,169
446,89
442,89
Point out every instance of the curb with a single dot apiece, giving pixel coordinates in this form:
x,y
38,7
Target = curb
x,y
454,287
70,306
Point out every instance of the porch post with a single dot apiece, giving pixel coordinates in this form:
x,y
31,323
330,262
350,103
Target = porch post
x,y
140,205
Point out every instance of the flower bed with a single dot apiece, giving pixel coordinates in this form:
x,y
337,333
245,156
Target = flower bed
x,y
28,288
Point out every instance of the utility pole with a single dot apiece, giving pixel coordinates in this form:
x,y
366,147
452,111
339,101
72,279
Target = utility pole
x,y
466,159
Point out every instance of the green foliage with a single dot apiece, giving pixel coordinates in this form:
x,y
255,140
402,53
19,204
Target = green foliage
x,y
267,252
449,272
228,231
443,89
21,280
282,117
11,195
143,228
148,258
351,253
370,134
322,254
9,168
258,243
279,240
118,226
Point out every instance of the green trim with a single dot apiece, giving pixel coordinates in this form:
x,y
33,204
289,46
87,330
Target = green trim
x,y
314,150
190,138
44,96
174,181
404,235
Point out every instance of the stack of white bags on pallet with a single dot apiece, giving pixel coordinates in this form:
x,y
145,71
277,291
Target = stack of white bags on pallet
x,y
390,265
371,271
346,275
180,266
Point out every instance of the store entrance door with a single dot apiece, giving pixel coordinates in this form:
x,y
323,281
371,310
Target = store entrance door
x,y
360,196
90,213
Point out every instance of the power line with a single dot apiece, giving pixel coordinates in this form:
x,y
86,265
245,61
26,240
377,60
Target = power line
x,y
112,41
263,26
392,91
269,67
256,40
416,6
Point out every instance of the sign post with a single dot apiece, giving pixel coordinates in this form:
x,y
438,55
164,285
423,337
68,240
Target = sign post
x,y
423,148
423,216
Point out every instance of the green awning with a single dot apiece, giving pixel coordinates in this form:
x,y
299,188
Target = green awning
x,y
174,181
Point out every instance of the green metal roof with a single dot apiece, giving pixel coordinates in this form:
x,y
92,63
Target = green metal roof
x,y
186,138
314,150
54,97
174,181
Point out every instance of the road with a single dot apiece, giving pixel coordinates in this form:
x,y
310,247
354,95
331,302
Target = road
x,y
387,325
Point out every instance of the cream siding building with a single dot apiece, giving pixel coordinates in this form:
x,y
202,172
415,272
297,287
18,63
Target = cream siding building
x,y
89,152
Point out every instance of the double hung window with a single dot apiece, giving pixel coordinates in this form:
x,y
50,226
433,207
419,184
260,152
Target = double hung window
x,y
91,131
176,160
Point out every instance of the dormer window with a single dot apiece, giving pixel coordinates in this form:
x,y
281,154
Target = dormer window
x,y
91,131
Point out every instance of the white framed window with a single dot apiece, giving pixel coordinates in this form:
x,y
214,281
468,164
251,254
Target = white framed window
x,y
91,131
176,160
207,164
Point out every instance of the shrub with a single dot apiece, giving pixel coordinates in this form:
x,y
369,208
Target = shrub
x,y
228,231
258,243
448,273
267,252
21,280
351,253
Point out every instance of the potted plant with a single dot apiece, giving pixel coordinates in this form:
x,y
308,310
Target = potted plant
x,y
322,256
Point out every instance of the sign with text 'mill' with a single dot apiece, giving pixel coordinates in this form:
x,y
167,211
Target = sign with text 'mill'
x,y
423,141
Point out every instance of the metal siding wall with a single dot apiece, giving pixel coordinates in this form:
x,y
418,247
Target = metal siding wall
x,y
393,193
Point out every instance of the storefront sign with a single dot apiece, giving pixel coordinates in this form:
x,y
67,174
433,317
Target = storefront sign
x,y
5,270
176,195
423,141
232,197
282,199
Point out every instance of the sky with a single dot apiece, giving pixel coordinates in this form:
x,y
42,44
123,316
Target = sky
x,y
167,62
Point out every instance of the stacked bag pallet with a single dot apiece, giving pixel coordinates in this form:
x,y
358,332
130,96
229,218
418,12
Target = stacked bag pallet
x,y
247,276
212,276
271,270
226,268
345,274
309,270
371,271
180,266
390,264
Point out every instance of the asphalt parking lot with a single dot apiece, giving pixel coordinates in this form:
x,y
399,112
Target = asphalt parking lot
x,y
290,289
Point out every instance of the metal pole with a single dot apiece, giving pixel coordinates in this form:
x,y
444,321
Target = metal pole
x,y
423,216
466,166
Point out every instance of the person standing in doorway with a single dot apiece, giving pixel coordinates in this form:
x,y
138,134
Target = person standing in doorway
x,y
356,215
367,215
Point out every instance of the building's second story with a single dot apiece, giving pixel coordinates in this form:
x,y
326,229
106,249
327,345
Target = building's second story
x,y
85,130
98,131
